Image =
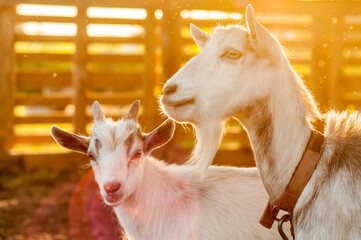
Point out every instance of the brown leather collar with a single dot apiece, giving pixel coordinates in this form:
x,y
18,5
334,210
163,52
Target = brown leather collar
x,y
298,182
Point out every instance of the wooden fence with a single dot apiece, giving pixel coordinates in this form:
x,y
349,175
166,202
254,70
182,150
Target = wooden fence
x,y
41,85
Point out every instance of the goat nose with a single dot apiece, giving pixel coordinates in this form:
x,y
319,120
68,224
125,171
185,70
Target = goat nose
x,y
169,89
111,187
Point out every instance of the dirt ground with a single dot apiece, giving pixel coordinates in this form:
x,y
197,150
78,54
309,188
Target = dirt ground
x,y
54,205
45,205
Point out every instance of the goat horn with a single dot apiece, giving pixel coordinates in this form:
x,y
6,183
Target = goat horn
x,y
133,111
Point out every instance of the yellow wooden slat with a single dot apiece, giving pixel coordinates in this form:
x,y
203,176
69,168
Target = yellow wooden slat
x,y
115,58
33,100
59,118
117,39
115,21
33,139
21,18
34,80
24,37
125,97
114,81
43,57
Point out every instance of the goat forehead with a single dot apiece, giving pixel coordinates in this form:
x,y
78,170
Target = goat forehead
x,y
112,134
230,30
234,36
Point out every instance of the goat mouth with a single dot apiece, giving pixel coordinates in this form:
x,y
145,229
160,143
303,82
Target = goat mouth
x,y
180,103
113,200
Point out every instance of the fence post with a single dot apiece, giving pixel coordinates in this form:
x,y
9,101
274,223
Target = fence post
x,y
336,37
150,105
171,39
320,59
7,74
79,71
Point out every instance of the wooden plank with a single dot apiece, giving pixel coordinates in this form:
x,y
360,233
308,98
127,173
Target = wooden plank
x,y
351,98
115,58
24,18
214,22
56,161
352,61
226,5
335,62
208,22
353,27
114,81
124,4
116,117
7,76
34,80
241,158
54,118
33,139
355,43
121,4
299,61
148,83
269,7
80,74
39,38
42,57
48,2
117,39
125,97
115,21
171,48
35,100
287,25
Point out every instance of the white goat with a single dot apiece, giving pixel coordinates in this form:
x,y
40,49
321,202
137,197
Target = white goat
x,y
153,200
244,73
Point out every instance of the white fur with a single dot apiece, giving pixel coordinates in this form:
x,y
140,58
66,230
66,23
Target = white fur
x,y
264,93
164,202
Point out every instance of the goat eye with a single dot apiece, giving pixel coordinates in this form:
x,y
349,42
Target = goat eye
x,y
233,54
136,155
91,156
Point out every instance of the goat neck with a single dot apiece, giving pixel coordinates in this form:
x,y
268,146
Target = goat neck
x,y
279,128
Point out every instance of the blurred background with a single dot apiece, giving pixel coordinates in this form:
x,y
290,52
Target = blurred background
x,y
58,56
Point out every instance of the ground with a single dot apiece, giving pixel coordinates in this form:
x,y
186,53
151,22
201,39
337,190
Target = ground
x,y
54,205
44,205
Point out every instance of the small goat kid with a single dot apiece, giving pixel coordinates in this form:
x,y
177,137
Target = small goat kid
x,y
153,200
244,73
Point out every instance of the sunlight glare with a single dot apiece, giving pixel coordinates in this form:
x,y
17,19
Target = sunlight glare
x,y
117,13
45,47
114,30
286,18
47,28
46,10
116,48
207,14
352,19
158,14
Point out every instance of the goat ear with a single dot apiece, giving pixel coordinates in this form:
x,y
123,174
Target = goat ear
x,y
70,140
159,137
133,112
199,36
98,112
260,38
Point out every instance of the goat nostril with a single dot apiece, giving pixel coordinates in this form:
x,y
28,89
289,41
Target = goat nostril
x,y
111,187
169,89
